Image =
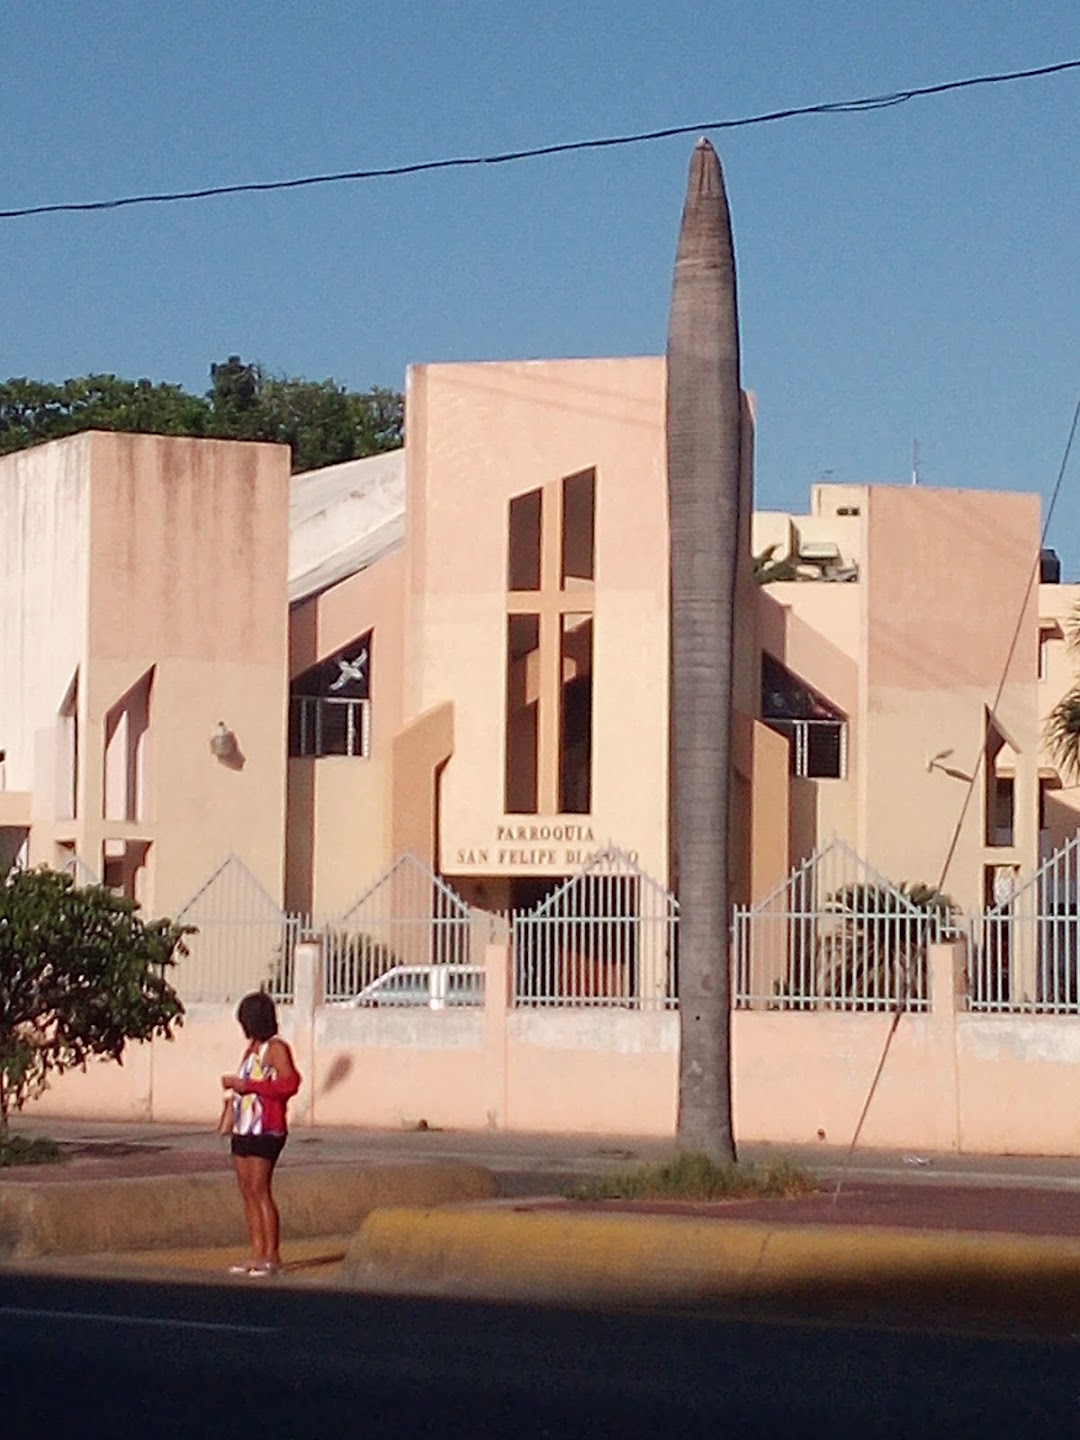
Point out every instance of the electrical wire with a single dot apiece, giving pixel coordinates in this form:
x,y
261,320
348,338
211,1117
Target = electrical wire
x,y
833,107
969,792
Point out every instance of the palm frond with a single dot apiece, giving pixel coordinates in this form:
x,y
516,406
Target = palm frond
x,y
1072,628
1062,732
766,569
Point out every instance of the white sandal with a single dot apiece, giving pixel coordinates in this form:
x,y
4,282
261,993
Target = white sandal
x,y
265,1267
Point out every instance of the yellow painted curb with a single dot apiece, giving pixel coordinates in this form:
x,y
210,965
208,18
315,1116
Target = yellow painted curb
x,y
649,1259
101,1216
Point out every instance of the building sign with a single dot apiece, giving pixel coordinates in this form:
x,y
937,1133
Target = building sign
x,y
559,846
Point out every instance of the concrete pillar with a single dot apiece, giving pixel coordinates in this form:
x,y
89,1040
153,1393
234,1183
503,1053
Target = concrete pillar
x,y
947,972
307,998
496,1008
947,977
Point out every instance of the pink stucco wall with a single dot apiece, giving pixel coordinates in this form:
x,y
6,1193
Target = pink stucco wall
x,y
951,1080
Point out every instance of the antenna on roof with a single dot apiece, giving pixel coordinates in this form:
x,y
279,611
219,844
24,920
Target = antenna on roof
x,y
916,460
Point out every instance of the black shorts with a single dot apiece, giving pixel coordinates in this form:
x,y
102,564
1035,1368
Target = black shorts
x,y
263,1147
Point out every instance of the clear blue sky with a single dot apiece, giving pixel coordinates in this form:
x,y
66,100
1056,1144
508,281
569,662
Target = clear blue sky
x,y
905,274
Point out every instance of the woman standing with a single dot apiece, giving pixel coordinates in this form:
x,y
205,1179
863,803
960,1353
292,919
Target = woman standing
x,y
261,1089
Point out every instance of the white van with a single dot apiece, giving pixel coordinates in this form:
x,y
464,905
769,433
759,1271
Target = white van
x,y
437,987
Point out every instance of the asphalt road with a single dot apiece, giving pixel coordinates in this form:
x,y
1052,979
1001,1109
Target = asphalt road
x,y
104,1359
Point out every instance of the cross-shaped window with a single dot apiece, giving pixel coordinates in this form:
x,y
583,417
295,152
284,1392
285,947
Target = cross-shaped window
x,y
549,648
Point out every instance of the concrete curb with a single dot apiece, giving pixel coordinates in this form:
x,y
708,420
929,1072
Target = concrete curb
x,y
101,1216
492,1253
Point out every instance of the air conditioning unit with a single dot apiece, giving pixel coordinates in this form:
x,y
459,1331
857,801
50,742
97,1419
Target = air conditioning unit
x,y
819,552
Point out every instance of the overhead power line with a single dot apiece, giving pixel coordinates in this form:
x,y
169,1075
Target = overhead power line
x,y
832,107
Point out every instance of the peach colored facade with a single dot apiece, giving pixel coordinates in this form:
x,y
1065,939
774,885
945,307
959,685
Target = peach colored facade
x,y
931,624
338,808
146,579
460,652
480,437
461,484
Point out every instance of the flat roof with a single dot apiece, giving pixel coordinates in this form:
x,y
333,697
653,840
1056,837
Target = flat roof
x,y
342,519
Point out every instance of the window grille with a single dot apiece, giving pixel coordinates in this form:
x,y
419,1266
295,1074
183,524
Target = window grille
x,y
818,747
326,725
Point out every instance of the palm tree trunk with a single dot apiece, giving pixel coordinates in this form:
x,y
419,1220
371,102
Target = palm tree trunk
x,y
703,454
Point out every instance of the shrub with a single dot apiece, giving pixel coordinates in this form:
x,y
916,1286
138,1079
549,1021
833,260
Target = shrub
x,y
692,1175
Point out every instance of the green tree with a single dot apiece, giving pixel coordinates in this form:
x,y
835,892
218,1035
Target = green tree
x,y
321,421
32,412
378,419
704,402
81,974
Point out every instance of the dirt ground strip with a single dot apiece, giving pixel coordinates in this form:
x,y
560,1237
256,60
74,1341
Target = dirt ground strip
x,y
1007,1211
127,1160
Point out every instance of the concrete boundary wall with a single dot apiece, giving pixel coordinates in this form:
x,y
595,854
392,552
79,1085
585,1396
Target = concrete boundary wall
x,y
1000,1084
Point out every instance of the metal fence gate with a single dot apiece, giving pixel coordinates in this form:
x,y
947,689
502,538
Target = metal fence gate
x,y
606,937
409,917
1026,948
836,935
244,941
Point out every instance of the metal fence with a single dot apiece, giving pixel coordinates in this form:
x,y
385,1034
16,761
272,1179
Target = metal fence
x,y
243,940
605,938
1025,950
836,935
409,917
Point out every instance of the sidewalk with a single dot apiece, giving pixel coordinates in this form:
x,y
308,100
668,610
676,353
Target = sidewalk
x,y
526,1164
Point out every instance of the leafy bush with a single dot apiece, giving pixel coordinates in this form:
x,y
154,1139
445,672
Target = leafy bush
x,y
692,1175
868,949
81,974
21,1150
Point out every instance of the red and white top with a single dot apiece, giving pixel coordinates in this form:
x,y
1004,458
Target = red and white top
x,y
261,1109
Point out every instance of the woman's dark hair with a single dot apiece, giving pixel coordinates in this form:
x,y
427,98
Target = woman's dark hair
x,y
257,1016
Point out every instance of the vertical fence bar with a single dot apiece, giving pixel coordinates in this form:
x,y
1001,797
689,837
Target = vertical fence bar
x,y
1032,931
409,917
836,934
242,939
608,936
